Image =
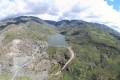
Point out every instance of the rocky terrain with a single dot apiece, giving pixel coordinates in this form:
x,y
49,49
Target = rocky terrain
x,y
23,48
18,53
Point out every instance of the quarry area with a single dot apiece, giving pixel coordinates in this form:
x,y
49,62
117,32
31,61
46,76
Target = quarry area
x,y
24,59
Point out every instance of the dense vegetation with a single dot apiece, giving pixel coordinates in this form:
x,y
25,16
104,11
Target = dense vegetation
x,y
97,52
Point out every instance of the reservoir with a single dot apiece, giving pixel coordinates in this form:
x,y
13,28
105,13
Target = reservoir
x,y
57,40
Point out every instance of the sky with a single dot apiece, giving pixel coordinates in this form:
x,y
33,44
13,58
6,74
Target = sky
x,y
98,11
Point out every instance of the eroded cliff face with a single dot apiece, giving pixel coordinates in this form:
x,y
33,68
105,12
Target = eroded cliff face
x,y
24,58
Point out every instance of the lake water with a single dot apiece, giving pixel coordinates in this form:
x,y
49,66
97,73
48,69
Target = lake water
x,y
57,40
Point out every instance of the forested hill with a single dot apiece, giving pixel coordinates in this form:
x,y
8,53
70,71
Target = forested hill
x,y
97,49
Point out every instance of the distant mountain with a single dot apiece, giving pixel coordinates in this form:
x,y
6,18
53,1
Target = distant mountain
x,y
18,20
77,23
64,22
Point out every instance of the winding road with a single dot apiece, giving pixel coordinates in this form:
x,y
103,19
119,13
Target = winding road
x,y
33,58
71,58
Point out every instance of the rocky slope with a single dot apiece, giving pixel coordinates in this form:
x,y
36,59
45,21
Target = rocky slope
x,y
23,49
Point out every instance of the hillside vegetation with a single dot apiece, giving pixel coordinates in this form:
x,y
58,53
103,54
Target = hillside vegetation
x,y
97,51
26,27
96,48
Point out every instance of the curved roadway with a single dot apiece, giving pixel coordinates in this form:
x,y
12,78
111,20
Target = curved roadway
x,y
71,58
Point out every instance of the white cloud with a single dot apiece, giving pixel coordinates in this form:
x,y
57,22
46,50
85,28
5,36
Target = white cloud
x,y
89,10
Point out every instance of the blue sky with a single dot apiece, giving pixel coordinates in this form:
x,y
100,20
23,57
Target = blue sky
x,y
114,3
98,11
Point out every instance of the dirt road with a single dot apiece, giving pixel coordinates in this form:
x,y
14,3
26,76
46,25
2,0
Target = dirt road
x,y
71,58
33,58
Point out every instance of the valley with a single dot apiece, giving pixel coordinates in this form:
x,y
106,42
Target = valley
x,y
35,49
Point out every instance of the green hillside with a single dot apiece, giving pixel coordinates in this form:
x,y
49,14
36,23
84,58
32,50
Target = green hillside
x,y
26,27
97,52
